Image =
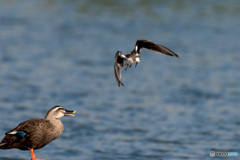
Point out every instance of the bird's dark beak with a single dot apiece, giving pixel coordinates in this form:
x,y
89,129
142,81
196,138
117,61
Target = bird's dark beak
x,y
69,113
136,65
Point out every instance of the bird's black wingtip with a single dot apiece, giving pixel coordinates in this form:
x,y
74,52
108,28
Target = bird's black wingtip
x,y
119,85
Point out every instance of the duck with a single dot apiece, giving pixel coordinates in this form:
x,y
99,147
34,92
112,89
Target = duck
x,y
36,133
133,58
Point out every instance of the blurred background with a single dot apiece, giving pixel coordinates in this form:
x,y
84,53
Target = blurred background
x,y
61,53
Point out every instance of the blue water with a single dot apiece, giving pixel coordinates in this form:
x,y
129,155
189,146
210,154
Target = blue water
x,y
61,53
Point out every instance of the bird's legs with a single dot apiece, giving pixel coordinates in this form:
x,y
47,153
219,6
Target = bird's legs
x,y
126,67
33,155
123,67
130,66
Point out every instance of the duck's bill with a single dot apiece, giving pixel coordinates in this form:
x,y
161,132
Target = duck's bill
x,y
69,113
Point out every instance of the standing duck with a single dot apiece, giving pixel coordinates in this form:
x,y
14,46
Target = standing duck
x,y
36,133
134,57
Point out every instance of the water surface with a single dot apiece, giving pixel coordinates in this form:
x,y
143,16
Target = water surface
x,y
61,53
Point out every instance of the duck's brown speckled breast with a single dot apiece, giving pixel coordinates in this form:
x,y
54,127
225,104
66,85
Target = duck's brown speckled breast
x,y
47,132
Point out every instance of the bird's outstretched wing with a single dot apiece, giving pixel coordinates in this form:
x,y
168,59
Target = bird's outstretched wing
x,y
118,62
150,45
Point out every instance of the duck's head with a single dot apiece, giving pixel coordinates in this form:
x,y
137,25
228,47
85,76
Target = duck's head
x,y
58,112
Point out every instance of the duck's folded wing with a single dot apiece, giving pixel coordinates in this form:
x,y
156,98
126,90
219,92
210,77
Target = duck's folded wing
x,y
25,126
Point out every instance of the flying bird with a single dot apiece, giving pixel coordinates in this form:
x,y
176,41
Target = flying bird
x,y
120,60
36,133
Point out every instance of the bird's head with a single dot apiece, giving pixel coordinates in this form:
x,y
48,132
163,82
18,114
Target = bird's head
x,y
137,59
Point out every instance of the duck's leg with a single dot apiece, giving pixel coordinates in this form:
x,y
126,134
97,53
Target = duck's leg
x,y
33,155
130,66
126,67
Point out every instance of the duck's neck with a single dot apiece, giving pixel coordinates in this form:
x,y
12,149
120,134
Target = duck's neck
x,y
48,118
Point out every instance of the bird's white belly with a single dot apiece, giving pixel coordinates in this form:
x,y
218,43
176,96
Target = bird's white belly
x,y
129,61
